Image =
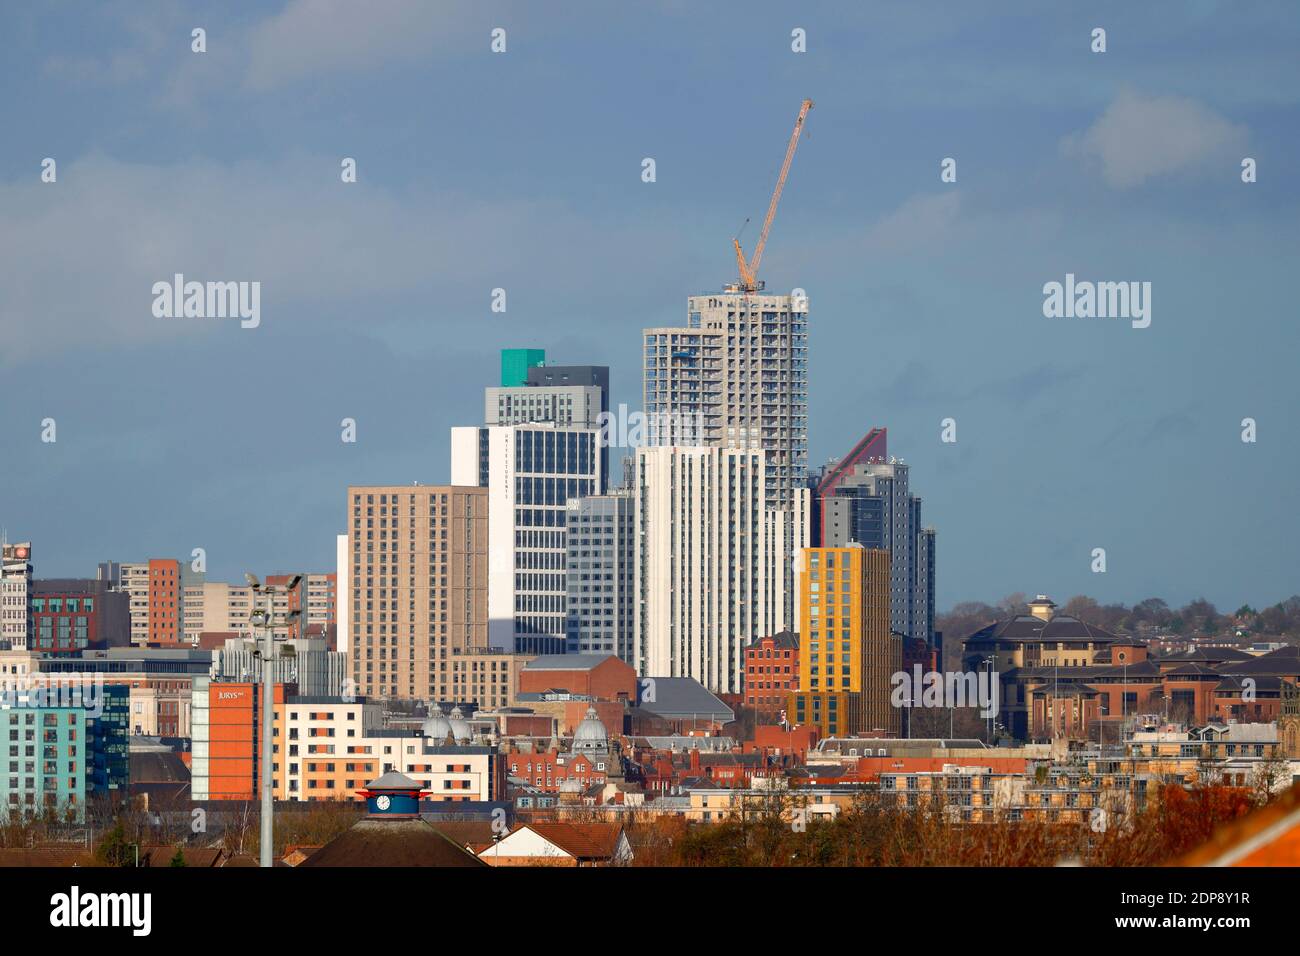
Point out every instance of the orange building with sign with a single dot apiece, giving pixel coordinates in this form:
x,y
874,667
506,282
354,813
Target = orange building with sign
x,y
233,741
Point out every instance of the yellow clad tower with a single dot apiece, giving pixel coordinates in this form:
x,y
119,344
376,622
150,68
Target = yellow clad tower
x,y
847,652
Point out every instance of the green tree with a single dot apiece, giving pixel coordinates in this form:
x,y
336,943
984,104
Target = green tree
x,y
179,858
114,850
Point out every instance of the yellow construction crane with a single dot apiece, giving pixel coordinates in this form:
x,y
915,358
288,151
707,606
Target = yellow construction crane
x,y
749,281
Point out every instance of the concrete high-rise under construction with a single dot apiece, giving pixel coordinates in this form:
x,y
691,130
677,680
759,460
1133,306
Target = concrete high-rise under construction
x,y
735,376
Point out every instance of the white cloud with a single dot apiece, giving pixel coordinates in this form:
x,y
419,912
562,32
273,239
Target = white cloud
x,y
918,221
1140,137
313,36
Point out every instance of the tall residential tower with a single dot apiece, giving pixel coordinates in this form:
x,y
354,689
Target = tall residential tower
x,y
709,563
415,584
739,367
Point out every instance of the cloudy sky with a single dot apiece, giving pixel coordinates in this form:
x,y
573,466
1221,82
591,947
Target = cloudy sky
x,y
522,171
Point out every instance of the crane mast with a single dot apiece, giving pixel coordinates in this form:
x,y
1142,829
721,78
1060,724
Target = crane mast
x,y
749,281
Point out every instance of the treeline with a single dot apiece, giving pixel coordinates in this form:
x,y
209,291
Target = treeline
x,y
1144,619
112,832
873,833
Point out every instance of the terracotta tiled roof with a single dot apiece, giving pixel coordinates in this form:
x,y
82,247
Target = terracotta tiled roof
x,y
45,856
464,832
196,857
583,841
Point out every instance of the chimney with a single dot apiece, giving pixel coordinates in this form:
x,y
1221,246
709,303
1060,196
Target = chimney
x,y
1042,607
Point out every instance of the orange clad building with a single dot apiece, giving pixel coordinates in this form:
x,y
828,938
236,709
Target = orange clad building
x,y
226,724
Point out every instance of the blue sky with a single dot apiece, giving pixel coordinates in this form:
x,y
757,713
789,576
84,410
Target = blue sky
x,y
522,170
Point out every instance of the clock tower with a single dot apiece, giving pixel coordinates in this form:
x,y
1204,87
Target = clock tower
x,y
1288,720
394,796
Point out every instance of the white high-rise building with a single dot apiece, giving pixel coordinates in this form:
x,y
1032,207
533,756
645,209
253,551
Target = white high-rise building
x,y
561,404
216,607
710,561
601,573
343,577
16,594
531,472
135,582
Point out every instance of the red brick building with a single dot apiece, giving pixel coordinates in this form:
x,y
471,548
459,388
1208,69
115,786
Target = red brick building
x,y
662,770
775,740
771,673
917,650
599,677
164,602
549,770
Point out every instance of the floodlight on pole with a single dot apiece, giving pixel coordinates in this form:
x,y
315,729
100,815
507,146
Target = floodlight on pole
x,y
263,618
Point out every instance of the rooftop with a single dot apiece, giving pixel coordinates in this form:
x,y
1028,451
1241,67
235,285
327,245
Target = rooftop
x,y
391,842
567,662
1025,628
681,697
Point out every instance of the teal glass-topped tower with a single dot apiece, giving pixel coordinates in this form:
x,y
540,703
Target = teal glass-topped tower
x,y
515,364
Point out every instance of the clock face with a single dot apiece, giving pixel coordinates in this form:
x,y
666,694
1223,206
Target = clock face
x,y
382,802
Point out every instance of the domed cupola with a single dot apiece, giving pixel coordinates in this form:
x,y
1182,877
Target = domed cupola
x,y
436,726
590,734
460,731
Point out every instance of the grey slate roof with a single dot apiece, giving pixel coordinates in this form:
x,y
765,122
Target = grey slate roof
x,y
787,640
1262,684
1211,655
1027,628
1283,662
680,697
394,780
1192,669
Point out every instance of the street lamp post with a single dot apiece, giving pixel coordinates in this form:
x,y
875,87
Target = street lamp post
x,y
265,618
990,660
1123,701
